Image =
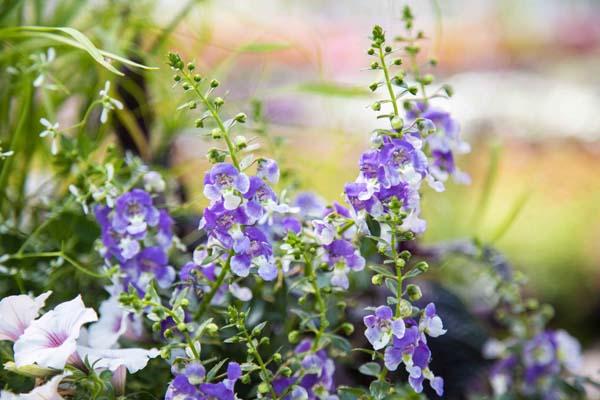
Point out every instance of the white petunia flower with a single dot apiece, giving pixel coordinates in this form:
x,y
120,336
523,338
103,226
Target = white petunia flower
x,y
47,391
17,314
51,340
111,359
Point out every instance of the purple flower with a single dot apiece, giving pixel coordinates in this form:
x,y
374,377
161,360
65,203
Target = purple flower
x,y
268,169
164,234
218,221
412,350
430,322
291,224
190,385
150,263
252,246
134,213
360,197
342,255
381,326
317,381
310,204
225,182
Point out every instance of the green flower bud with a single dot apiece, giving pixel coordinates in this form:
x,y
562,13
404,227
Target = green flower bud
x,y
212,329
422,266
186,86
397,123
405,308
219,101
294,337
370,52
414,292
286,371
245,379
216,133
388,49
199,123
448,89
182,327
413,90
168,333
373,86
241,142
376,106
347,328
427,79
264,341
398,61
277,357
184,302
241,118
191,66
374,65
197,78
263,387
176,78
165,353
400,263
193,105
214,83
377,280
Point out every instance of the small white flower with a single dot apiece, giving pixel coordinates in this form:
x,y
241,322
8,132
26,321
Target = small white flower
x,y
52,132
41,64
153,182
108,103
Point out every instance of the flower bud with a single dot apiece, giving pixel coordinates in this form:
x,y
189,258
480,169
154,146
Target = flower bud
x,y
184,303
414,292
245,379
193,105
398,61
165,353
413,90
182,327
405,308
241,118
376,106
168,333
241,142
197,78
191,66
422,266
286,371
219,101
186,86
263,387
448,89
397,123
176,78
216,133
388,49
212,329
400,263
199,123
377,280
264,341
370,52
347,328
427,79
293,337
277,357
214,83
374,65
373,86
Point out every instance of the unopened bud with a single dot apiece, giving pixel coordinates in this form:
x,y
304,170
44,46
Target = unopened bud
x,y
397,123
377,280
277,357
212,329
347,328
241,118
414,292
293,337
216,133
214,83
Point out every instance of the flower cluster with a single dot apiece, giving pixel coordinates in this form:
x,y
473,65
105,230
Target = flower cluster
x,y
405,342
239,205
137,236
190,383
536,365
316,381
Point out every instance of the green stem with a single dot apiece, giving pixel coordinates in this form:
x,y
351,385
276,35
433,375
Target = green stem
x,y
258,358
177,321
388,82
217,284
213,111
54,254
312,277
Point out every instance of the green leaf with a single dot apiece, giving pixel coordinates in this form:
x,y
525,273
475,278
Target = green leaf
x,y
332,89
340,343
77,40
370,369
215,370
381,270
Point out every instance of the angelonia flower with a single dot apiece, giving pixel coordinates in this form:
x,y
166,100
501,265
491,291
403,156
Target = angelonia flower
x,y
535,365
316,382
190,384
52,132
137,236
405,342
239,206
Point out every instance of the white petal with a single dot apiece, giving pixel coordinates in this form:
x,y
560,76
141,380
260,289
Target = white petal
x,y
47,391
105,333
133,359
50,340
17,312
